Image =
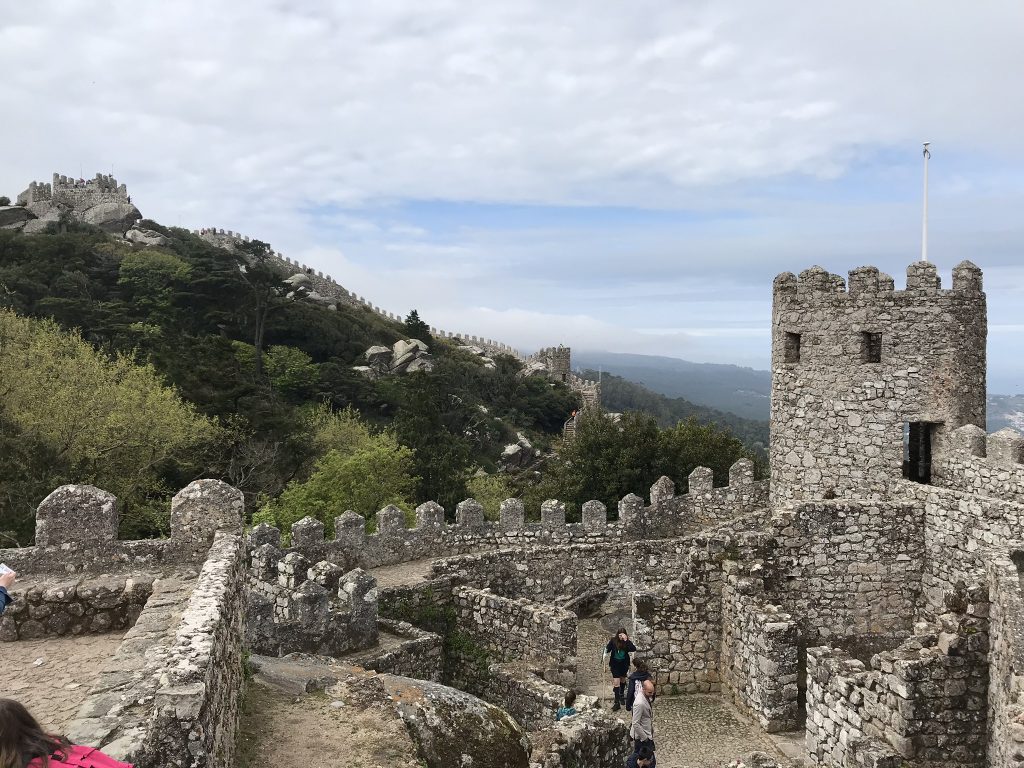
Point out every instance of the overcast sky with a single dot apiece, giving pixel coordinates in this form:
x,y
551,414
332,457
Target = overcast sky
x,y
618,176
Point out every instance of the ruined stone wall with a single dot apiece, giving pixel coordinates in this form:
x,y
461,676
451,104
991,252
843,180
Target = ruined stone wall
x,y
926,699
294,605
1006,659
667,515
520,689
169,696
850,568
837,415
759,656
988,465
588,739
960,532
417,656
73,193
515,629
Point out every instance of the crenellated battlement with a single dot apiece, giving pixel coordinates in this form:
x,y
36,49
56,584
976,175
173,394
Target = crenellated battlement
x,y
77,194
666,515
855,364
867,283
986,464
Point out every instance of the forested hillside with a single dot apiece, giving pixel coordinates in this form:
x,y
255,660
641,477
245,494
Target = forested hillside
x,y
138,368
621,395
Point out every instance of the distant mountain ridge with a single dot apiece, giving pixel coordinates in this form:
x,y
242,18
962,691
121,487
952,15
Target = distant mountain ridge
x,y
745,392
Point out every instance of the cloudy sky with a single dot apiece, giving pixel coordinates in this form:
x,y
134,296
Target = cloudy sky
x,y
618,176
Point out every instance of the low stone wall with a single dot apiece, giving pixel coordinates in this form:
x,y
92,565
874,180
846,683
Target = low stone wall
x,y
926,699
74,606
760,655
196,703
521,690
418,656
593,739
515,629
987,465
850,568
76,532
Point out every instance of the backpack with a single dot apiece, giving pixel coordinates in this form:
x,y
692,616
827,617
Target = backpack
x,y
80,757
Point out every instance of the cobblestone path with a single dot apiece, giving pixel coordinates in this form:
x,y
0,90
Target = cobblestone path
x,y
403,573
692,731
54,688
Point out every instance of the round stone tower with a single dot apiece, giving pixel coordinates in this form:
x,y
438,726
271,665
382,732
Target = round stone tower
x,y
868,381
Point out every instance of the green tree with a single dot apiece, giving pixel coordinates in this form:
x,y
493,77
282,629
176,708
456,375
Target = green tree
x,y
267,291
364,481
416,328
110,422
490,491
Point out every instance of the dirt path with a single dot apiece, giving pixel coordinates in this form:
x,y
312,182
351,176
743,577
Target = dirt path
x,y
692,731
403,573
52,676
322,730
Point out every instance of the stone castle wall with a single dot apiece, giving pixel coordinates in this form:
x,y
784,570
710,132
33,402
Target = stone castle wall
x,y
987,465
1006,658
850,568
77,194
926,700
326,286
759,661
667,516
851,366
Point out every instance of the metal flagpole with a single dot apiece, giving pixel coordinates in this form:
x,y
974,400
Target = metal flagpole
x,y
924,217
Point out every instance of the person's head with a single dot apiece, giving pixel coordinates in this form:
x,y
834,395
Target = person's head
x,y
621,638
21,737
644,756
570,698
640,665
649,689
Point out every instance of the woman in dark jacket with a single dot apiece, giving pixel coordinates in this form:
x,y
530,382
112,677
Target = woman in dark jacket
x,y
617,651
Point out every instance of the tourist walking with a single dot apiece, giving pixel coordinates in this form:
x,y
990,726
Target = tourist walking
x,y
24,744
6,582
642,673
641,731
617,652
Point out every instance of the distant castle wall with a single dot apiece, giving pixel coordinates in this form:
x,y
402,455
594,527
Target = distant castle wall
x,y
76,194
853,369
327,287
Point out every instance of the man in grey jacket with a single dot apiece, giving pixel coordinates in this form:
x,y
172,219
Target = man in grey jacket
x,y
642,729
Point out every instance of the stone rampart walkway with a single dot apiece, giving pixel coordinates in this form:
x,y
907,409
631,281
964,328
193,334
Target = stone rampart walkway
x,y
52,676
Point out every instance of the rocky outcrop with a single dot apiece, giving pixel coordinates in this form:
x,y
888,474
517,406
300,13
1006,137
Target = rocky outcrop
x,y
147,237
452,728
479,352
404,356
115,217
534,368
14,216
518,454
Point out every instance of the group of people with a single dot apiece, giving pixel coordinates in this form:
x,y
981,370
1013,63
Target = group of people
x,y
633,691
636,693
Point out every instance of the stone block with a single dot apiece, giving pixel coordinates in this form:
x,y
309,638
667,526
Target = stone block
x,y
390,520
204,507
76,514
662,490
512,514
631,507
307,533
740,473
1005,448
701,480
350,529
552,513
470,513
595,515
264,534
429,514
969,439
